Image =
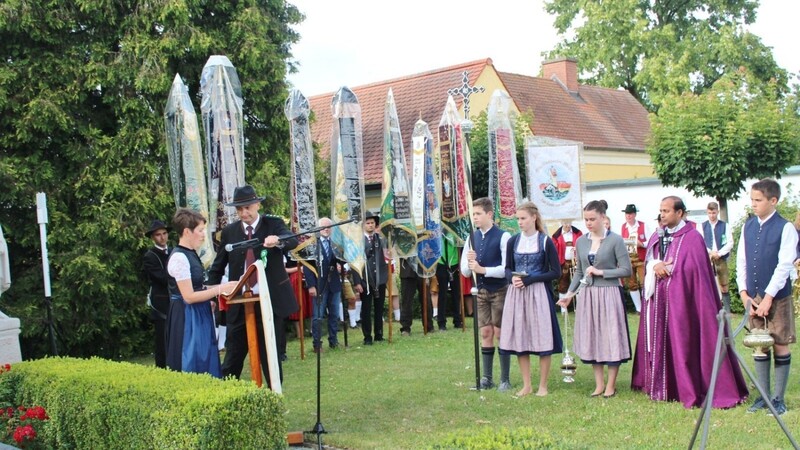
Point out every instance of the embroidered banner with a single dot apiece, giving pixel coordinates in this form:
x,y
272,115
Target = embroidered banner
x,y
427,215
554,177
455,177
396,222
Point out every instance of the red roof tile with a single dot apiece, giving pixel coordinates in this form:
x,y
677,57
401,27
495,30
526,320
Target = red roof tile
x,y
599,117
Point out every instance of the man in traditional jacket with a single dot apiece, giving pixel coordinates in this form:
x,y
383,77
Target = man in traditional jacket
x,y
678,328
636,231
155,266
719,242
271,233
373,284
325,288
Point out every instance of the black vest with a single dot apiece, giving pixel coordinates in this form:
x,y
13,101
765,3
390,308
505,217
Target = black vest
x,y
487,249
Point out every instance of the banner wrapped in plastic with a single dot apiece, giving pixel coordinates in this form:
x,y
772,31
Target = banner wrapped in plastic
x,y
221,106
186,159
425,204
347,181
396,221
303,188
505,188
455,177
554,169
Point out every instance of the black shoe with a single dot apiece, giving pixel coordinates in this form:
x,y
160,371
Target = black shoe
x,y
442,327
378,338
284,357
333,346
367,341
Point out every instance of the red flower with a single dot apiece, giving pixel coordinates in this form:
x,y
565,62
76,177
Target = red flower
x,y
23,433
36,412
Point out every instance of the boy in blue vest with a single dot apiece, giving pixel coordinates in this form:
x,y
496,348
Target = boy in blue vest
x,y
719,243
767,249
488,261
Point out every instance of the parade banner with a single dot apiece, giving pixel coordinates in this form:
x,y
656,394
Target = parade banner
x,y
427,215
396,221
347,181
505,188
554,177
186,159
302,188
221,106
455,177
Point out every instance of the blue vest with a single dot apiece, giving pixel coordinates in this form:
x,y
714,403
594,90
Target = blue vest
x,y
761,246
719,235
195,269
488,255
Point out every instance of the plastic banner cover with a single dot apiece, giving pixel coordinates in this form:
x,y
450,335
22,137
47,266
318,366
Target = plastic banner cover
x,y
505,188
186,159
425,187
455,180
347,182
221,106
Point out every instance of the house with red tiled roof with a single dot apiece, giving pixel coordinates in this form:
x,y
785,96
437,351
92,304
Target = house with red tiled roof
x,y
610,123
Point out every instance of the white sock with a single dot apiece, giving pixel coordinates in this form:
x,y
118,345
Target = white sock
x,y
560,296
222,331
352,314
358,310
396,315
637,300
435,312
341,313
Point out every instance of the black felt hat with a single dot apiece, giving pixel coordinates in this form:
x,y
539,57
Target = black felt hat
x,y
155,226
244,195
631,208
373,214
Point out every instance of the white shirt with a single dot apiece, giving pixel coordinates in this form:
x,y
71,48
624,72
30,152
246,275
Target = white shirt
x,y
727,247
178,267
491,272
786,256
528,244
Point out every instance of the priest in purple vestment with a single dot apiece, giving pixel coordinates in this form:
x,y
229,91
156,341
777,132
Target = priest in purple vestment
x,y
678,327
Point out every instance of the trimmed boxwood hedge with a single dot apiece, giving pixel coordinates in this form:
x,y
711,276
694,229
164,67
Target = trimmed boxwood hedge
x,y
96,403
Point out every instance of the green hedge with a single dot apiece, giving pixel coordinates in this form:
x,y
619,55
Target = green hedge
x,y
98,403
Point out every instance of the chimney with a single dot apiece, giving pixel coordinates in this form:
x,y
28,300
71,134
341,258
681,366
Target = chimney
x,y
564,69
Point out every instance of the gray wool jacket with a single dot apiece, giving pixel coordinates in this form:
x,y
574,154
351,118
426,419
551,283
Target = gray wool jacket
x,y
612,258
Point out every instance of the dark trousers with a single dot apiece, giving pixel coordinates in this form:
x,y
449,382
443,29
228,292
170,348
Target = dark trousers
x,y
329,302
373,300
449,305
408,288
160,342
236,347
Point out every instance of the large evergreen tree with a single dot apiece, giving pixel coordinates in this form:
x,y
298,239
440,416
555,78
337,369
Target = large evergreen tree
x,y
653,49
82,92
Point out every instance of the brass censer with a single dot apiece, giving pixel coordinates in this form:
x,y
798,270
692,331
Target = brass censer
x,y
759,339
568,366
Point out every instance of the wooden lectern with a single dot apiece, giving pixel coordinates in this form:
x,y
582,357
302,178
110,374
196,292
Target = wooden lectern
x,y
248,299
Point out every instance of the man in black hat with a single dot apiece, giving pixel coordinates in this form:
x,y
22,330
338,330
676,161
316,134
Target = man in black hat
x,y
155,267
635,231
268,229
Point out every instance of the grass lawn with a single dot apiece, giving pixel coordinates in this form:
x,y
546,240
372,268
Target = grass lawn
x,y
416,391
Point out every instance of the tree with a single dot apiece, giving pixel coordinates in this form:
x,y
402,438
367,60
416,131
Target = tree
x,y
652,49
82,92
712,142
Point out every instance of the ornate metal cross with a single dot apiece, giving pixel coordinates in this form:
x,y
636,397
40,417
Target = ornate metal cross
x,y
465,90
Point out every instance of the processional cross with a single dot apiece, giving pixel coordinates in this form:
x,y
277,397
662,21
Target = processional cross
x,y
465,90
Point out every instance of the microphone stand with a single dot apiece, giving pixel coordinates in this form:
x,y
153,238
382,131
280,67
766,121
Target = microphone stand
x,y
318,429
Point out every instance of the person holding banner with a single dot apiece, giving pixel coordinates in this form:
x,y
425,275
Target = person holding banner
x,y
530,326
191,336
373,285
268,231
485,255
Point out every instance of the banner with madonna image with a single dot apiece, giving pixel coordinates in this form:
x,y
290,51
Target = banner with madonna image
x,y
555,176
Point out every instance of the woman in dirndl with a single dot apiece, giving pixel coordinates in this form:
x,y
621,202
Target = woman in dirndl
x,y
530,326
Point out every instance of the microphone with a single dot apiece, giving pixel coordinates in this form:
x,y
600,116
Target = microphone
x,y
661,244
230,247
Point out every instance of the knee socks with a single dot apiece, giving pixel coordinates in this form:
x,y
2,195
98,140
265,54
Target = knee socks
x,y
782,365
505,364
637,300
488,360
762,372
